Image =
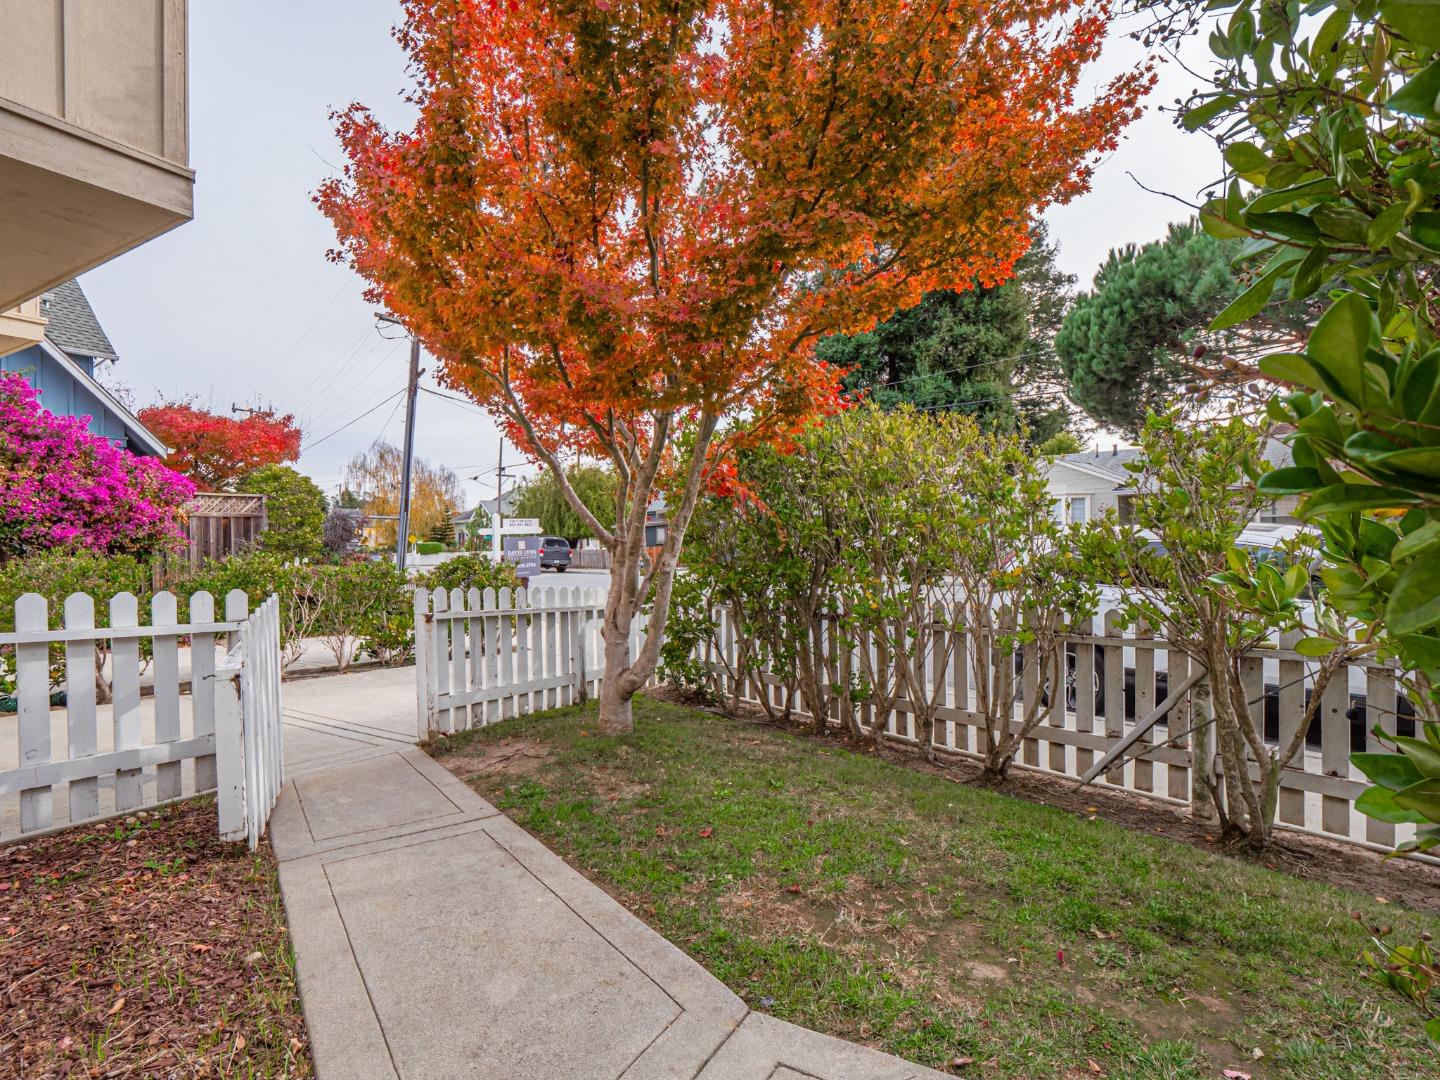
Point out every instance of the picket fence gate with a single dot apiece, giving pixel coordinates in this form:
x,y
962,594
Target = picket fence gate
x,y
481,657
1317,792
63,766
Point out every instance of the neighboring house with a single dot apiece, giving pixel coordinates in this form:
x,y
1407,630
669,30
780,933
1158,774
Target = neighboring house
x,y
462,520
1088,484
94,141
62,367
657,524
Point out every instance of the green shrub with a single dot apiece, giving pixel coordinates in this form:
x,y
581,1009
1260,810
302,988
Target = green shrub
x,y
429,547
352,606
466,572
55,575
364,606
691,625
294,511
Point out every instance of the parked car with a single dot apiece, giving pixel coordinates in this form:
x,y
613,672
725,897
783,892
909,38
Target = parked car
x,y
555,551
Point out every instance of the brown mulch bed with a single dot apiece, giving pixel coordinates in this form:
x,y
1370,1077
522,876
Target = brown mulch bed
x,y
144,947
1410,882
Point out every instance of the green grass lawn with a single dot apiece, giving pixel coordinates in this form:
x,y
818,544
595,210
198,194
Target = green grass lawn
x,y
956,927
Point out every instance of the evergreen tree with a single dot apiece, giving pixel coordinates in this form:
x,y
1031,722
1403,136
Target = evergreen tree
x,y
1131,345
985,351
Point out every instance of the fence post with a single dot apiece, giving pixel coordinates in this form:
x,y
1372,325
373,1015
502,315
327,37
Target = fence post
x,y
1203,791
32,669
229,751
579,627
424,644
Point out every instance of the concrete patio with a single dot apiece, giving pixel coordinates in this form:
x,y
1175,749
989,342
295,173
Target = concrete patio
x,y
435,938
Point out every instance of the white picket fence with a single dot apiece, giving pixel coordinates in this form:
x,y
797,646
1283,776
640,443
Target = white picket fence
x,y
1317,792
87,760
484,657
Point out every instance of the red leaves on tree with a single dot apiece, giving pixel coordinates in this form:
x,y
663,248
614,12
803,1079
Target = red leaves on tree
x,y
215,450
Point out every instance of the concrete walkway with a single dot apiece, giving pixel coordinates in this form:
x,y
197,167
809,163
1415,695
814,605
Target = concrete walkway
x,y
437,939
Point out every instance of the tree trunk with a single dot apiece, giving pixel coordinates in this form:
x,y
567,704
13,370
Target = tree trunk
x,y
618,686
997,764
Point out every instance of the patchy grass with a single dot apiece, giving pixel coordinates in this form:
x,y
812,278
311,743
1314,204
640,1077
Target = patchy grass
x,y
144,947
956,927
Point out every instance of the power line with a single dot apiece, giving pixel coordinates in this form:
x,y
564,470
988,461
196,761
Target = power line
x,y
356,419
345,354
357,383
457,400
288,352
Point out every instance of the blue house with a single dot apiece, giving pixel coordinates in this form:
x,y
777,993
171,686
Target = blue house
x,y
62,368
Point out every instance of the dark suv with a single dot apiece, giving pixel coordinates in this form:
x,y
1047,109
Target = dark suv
x,y
555,551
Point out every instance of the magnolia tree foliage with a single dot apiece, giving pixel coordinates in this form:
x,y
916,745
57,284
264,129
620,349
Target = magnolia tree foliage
x,y
1327,120
889,534
1327,115
214,450
617,224
951,531
61,487
1219,603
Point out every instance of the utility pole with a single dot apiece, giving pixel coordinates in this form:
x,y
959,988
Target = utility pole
x,y
499,504
402,529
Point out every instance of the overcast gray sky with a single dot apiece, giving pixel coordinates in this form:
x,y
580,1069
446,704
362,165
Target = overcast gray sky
x,y
241,305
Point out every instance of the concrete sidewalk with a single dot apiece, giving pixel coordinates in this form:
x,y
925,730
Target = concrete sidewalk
x,y
435,938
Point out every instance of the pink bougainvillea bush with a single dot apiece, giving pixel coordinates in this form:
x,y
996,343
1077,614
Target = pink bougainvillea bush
x,y
62,487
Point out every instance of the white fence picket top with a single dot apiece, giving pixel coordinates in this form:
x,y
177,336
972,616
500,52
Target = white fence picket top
x,y
32,669
91,759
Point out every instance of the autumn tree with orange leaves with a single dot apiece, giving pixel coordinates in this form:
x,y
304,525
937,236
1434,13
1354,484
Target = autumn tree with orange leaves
x,y
621,225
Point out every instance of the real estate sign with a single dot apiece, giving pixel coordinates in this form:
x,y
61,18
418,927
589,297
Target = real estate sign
x,y
524,553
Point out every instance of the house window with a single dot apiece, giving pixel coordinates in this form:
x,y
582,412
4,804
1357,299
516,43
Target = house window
x,y
1077,509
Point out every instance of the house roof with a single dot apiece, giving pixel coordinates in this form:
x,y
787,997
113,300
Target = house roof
x,y
1110,464
488,505
1107,464
72,324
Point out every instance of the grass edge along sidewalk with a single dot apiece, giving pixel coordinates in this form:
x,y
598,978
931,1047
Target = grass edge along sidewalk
x,y
960,928
144,947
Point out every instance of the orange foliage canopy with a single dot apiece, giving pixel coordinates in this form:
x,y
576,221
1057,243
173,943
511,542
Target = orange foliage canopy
x,y
616,219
